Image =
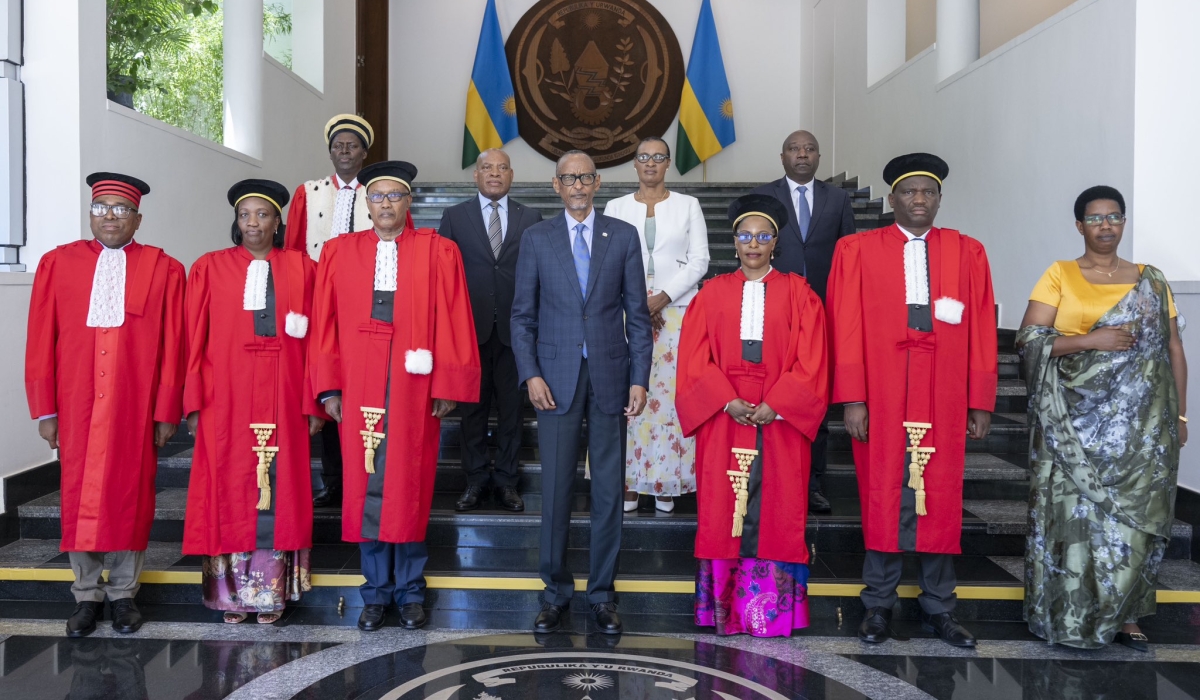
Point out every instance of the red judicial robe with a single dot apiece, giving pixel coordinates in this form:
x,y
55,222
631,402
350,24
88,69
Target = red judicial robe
x,y
362,356
874,353
108,386
793,379
235,378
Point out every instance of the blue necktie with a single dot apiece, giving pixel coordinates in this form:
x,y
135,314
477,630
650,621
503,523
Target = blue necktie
x,y
583,262
803,217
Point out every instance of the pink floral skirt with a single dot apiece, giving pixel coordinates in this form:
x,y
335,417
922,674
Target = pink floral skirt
x,y
260,581
758,597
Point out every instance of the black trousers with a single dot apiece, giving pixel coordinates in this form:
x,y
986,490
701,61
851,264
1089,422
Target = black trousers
x,y
558,441
331,455
820,457
881,574
500,385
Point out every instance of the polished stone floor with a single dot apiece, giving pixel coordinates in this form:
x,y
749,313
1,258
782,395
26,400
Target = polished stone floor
x,y
327,657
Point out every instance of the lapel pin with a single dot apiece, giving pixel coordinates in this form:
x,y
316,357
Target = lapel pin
x,y
604,235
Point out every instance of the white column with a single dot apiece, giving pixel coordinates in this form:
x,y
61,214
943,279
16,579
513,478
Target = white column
x,y
957,35
243,75
886,32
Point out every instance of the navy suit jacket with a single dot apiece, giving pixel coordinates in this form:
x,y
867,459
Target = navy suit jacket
x,y
551,320
832,218
489,277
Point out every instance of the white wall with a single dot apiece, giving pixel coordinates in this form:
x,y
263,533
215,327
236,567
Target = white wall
x,y
1022,130
760,42
73,130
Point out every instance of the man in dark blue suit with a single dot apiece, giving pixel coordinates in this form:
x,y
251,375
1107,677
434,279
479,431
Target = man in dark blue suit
x,y
818,215
581,334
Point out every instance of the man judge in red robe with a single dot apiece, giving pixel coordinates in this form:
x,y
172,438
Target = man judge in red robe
x,y
395,351
104,370
753,386
913,324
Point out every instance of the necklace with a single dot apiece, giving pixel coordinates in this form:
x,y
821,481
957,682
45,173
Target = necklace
x,y
1110,274
646,200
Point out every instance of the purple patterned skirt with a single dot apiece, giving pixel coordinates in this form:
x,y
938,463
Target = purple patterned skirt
x,y
758,597
255,582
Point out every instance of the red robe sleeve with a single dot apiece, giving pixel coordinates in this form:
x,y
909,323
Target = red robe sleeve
x,y
981,360
844,302
40,365
296,236
456,370
198,299
702,389
312,407
801,394
168,403
324,349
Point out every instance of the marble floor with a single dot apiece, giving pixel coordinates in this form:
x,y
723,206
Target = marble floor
x,y
330,658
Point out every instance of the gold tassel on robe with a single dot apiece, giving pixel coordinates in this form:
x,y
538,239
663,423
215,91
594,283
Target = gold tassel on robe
x,y
265,455
740,480
920,458
371,439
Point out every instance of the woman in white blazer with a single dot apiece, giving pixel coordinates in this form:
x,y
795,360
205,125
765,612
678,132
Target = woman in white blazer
x,y
660,461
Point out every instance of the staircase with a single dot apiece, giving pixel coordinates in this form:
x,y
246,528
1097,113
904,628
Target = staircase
x,y
485,562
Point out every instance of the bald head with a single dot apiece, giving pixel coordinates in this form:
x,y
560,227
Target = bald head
x,y
801,156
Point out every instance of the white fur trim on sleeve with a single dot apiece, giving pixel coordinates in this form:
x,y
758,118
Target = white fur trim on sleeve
x,y
296,325
419,361
948,310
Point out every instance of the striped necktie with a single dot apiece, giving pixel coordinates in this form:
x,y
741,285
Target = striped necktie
x,y
495,233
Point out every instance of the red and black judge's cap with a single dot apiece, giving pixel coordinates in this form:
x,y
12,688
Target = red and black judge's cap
x,y
395,170
763,205
269,190
117,184
912,164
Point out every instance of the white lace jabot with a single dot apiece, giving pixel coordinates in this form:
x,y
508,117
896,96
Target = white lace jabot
x,y
254,297
754,307
107,306
385,266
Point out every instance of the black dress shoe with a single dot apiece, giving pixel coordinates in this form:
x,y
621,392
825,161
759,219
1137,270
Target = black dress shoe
x,y
607,619
875,626
817,503
328,497
947,629
372,617
549,619
1134,640
82,622
127,619
412,615
510,499
471,499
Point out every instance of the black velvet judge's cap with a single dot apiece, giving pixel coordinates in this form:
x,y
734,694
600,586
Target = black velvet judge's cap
x,y
396,170
912,164
269,190
125,186
118,177
352,123
758,205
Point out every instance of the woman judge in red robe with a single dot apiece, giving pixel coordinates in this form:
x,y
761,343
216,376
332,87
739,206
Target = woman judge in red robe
x,y
249,404
753,388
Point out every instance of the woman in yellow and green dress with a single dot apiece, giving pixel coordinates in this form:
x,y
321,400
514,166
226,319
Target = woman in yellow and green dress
x,y
1107,383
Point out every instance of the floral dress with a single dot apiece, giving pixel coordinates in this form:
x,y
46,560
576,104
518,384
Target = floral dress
x,y
260,581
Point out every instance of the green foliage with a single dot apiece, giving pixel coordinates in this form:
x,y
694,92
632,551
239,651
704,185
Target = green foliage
x,y
166,57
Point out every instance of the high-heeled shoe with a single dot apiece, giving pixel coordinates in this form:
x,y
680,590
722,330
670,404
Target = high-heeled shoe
x,y
664,506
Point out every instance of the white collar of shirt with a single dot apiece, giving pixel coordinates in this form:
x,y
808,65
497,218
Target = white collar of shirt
x,y
353,184
912,236
808,191
589,225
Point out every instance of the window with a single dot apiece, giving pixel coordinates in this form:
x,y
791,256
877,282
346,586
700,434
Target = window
x,y
165,59
277,30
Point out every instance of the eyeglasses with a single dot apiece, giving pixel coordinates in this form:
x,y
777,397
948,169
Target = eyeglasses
x,y
762,238
585,179
118,210
1090,219
260,215
346,147
656,157
377,197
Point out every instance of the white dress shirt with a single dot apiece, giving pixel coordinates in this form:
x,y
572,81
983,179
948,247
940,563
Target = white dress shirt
x,y
589,225
486,205
794,188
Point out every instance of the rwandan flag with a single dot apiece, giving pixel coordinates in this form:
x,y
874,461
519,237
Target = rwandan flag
x,y
706,111
491,108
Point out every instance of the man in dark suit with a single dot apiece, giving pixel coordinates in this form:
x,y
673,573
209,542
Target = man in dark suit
x,y
488,229
818,215
581,292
